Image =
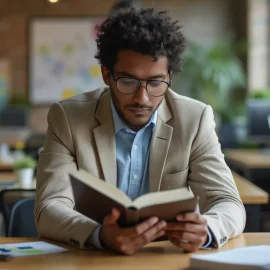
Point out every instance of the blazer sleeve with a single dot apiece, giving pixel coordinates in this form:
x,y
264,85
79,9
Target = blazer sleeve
x,y
212,180
54,208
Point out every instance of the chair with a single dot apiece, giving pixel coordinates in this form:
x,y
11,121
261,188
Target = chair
x,y
34,144
8,200
15,117
22,221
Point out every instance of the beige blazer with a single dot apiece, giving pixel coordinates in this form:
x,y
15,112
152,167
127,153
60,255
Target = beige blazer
x,y
184,152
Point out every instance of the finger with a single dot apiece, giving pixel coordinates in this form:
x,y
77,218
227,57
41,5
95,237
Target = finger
x,y
138,244
127,249
129,246
188,247
154,236
151,234
191,217
145,237
112,218
140,228
187,237
188,227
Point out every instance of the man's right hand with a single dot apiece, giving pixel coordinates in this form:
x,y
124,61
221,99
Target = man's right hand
x,y
129,240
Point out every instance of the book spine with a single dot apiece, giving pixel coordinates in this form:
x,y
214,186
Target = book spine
x,y
132,216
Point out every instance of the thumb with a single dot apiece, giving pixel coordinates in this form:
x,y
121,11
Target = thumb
x,y
112,218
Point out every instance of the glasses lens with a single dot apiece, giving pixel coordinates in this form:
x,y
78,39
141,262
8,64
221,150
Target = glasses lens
x,y
157,88
127,85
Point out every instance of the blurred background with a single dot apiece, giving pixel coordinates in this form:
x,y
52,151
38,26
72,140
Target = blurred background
x,y
47,53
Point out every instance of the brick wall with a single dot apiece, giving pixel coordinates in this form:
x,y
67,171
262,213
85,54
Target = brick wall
x,y
203,21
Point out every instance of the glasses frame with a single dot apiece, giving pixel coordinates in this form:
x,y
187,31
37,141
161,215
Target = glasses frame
x,y
140,83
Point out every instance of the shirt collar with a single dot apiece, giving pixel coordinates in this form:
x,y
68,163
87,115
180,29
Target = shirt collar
x,y
120,124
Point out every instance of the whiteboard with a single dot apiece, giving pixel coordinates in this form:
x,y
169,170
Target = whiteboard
x,y
62,62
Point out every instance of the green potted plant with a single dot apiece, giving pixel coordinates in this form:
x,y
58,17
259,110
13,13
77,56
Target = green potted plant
x,y
24,168
215,75
212,73
262,93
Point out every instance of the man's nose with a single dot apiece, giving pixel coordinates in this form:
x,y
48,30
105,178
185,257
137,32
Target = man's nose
x,y
141,96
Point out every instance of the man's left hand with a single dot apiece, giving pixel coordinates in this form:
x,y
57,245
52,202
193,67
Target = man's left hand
x,y
189,233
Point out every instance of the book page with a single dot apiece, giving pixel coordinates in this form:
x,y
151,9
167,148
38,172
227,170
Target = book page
x,y
103,187
246,256
163,197
30,249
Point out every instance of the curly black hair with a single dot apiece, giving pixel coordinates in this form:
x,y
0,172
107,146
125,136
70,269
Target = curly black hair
x,y
144,31
123,5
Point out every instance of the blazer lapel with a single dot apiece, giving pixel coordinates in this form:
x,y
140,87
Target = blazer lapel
x,y
105,141
160,143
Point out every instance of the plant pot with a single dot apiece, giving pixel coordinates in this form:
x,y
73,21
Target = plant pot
x,y
25,177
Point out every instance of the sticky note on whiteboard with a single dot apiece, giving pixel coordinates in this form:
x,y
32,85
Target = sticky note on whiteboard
x,y
67,93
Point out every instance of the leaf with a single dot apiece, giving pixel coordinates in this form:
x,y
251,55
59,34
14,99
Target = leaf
x,y
211,73
24,163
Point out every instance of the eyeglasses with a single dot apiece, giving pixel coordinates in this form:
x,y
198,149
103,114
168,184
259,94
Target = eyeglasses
x,y
128,85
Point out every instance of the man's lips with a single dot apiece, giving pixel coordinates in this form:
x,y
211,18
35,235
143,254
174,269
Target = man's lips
x,y
138,110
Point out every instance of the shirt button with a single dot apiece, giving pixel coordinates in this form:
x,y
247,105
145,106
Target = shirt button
x,y
135,147
135,176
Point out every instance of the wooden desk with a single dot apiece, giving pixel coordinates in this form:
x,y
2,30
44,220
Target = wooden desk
x,y
248,158
7,176
253,197
5,166
159,255
252,164
7,181
250,193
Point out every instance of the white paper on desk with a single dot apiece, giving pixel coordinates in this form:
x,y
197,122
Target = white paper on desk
x,y
252,257
30,249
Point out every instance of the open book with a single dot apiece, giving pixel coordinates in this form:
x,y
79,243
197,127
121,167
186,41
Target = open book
x,y
95,199
253,257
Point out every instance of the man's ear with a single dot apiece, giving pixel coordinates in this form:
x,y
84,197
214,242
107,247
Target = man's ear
x,y
105,75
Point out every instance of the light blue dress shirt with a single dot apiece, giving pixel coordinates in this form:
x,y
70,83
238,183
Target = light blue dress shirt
x,y
132,157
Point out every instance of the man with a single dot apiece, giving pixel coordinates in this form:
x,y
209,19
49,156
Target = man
x,y
140,136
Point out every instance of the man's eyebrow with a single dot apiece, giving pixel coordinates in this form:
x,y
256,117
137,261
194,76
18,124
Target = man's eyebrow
x,y
158,76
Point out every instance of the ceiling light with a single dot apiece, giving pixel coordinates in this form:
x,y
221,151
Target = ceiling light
x,y
53,1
